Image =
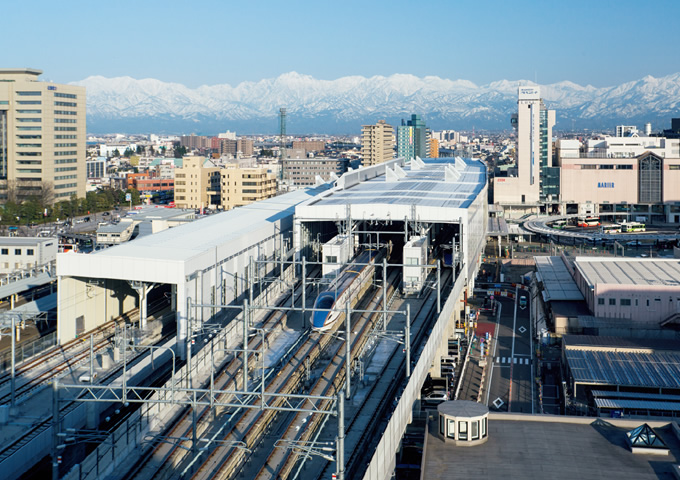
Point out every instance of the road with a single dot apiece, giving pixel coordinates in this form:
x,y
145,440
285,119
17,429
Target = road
x,y
511,378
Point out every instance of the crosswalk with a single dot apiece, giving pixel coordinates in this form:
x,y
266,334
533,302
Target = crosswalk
x,y
515,360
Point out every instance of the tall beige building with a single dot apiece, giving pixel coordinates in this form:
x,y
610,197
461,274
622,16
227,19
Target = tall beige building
x,y
42,138
201,184
377,143
193,187
241,186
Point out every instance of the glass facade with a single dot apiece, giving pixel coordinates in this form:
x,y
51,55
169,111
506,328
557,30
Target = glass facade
x,y
549,175
413,139
650,179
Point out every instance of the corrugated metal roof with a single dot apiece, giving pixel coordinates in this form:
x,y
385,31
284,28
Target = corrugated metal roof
x,y
638,395
637,404
630,271
605,341
497,227
25,284
625,368
558,284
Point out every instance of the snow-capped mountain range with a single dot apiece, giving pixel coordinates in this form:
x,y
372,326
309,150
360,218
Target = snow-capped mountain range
x,y
124,104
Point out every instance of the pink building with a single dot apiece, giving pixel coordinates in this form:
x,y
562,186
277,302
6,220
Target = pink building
x,y
630,288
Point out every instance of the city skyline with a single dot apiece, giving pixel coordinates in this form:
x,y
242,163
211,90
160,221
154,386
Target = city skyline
x,y
225,43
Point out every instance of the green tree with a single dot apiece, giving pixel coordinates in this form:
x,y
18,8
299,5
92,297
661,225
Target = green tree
x,y
116,153
180,150
128,152
140,150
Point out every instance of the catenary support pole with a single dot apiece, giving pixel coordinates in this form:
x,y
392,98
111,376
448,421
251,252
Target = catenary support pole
x,y
348,353
340,450
384,294
13,339
245,345
92,358
407,340
304,290
439,289
55,428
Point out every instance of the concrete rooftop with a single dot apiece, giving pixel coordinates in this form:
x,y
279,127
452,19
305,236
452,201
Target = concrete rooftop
x,y
551,449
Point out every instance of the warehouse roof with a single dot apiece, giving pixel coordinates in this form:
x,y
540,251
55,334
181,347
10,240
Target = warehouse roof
x,y
629,271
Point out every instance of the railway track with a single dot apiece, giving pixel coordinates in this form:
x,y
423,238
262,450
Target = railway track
x,y
225,461
390,389
45,424
301,428
165,457
65,409
35,374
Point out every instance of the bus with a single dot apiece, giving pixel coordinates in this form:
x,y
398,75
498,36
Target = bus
x,y
559,224
633,227
613,228
589,222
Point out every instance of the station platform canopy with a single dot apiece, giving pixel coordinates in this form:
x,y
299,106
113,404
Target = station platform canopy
x,y
172,255
558,283
439,190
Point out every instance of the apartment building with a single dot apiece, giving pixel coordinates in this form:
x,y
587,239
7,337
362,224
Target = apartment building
x,y
42,138
377,143
193,187
194,142
241,186
413,139
304,171
434,148
228,147
199,183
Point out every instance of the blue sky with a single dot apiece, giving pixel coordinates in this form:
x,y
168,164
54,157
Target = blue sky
x,y
203,42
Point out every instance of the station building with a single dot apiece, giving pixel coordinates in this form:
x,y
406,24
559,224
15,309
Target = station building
x,y
440,203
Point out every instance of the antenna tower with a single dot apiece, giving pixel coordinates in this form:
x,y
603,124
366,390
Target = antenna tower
x,y
282,146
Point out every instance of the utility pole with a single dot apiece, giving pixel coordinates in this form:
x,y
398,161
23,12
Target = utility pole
x,y
282,145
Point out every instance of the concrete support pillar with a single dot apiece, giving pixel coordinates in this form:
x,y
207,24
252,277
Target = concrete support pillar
x,y
182,319
142,290
173,297
92,412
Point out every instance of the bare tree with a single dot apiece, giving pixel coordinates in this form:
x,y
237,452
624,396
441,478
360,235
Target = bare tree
x,y
12,191
47,196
